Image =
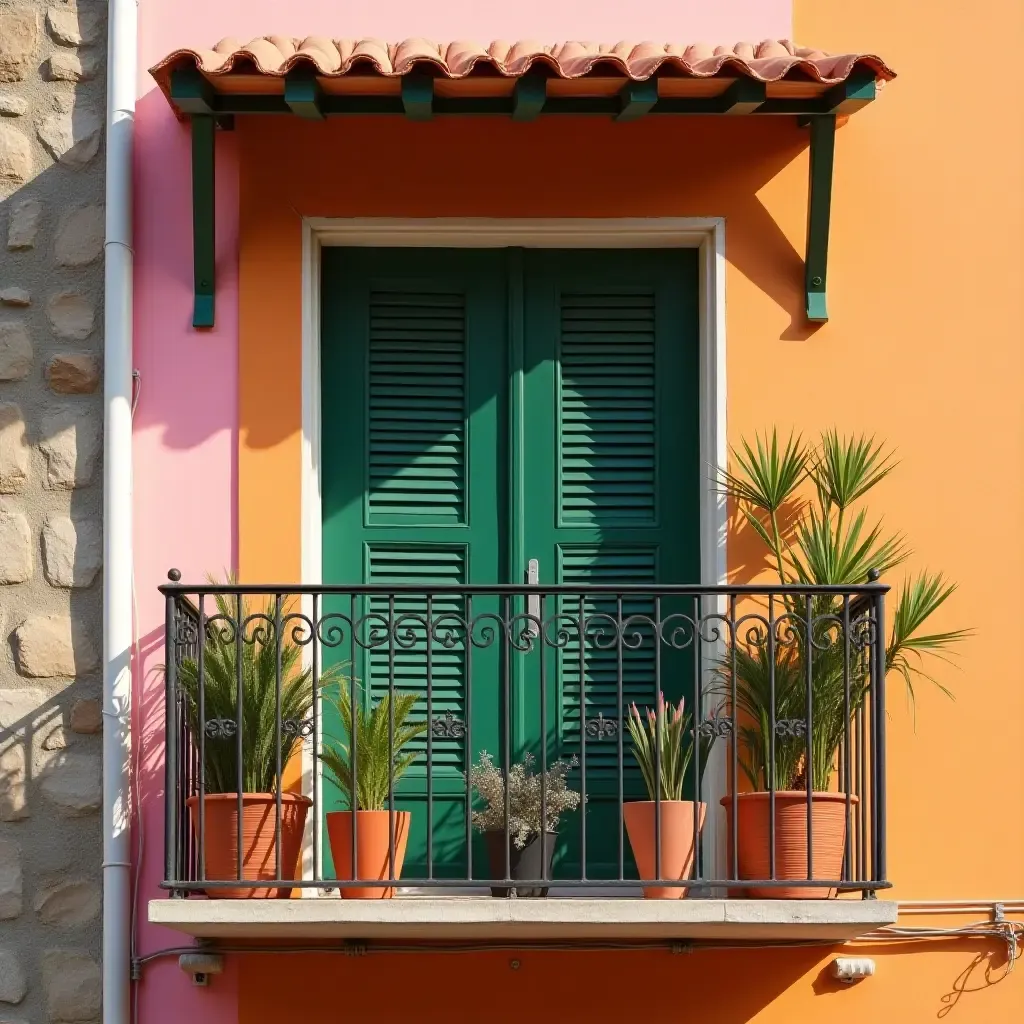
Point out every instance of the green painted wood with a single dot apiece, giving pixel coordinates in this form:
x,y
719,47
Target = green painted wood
x,y
303,95
528,97
819,211
192,92
418,97
482,408
744,96
851,95
505,106
203,220
613,485
414,371
637,99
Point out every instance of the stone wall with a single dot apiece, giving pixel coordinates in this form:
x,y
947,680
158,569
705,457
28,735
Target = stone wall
x,y
52,56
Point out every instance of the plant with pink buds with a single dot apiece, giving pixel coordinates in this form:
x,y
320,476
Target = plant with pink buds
x,y
663,743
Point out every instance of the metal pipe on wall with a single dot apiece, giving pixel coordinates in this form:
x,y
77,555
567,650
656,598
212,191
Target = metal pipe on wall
x,y
117,508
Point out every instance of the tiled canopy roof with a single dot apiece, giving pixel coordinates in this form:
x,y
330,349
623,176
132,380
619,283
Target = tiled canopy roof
x,y
768,61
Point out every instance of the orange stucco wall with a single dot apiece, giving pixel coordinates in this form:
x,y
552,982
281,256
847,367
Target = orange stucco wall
x,y
924,348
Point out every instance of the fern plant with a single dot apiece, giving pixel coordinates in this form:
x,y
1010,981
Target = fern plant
x,y
254,661
379,762
831,542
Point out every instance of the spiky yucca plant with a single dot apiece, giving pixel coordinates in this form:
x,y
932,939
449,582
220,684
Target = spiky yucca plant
x,y
831,542
260,724
669,730
379,764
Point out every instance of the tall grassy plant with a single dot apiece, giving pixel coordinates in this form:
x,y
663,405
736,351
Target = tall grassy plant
x,y
663,747
254,662
832,542
379,764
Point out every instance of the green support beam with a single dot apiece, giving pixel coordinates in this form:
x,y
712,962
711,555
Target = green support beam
x,y
192,93
744,96
418,97
203,238
848,97
529,96
637,99
303,95
819,210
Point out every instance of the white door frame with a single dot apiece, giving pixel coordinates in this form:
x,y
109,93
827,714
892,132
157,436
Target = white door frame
x,y
706,234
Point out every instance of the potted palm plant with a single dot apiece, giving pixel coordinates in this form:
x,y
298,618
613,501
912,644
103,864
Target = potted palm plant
x,y
520,848
250,743
663,743
825,541
380,736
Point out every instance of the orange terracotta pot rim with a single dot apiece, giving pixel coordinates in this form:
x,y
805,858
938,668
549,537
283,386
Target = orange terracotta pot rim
x,y
385,811
695,803
817,796
286,798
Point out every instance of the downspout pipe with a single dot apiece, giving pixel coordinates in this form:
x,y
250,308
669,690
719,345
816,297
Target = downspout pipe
x,y
122,43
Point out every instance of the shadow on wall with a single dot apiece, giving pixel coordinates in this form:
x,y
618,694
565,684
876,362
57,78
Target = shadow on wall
x,y
732,986
697,166
51,495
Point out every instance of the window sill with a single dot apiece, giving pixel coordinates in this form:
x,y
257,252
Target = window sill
x,y
552,919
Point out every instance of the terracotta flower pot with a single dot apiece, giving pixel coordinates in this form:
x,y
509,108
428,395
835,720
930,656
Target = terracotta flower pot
x,y
259,849
676,842
828,828
373,850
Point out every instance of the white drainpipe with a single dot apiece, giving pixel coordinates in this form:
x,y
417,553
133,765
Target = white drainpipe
x,y
117,510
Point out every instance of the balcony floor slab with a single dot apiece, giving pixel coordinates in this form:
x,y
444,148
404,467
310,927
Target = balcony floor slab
x,y
481,918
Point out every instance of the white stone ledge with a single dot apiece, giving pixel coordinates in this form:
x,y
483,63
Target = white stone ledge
x,y
552,919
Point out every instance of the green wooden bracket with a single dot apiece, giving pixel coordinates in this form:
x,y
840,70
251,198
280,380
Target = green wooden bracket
x,y
819,210
529,96
744,96
303,95
192,93
850,95
203,238
418,97
637,99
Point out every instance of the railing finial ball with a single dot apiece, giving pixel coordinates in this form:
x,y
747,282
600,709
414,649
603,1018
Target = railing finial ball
x,y
874,575
174,575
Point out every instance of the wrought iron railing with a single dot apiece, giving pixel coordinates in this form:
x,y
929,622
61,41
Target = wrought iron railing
x,y
787,683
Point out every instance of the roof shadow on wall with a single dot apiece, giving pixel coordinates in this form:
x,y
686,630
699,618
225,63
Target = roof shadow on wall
x,y
657,167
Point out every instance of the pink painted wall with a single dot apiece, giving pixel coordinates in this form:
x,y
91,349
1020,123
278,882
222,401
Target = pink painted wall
x,y
186,422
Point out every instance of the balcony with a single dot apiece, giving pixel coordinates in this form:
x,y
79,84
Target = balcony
x,y
725,744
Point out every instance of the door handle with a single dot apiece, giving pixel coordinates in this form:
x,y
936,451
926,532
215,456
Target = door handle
x,y
533,600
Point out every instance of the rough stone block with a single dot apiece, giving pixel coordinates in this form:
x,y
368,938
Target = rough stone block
x,y
49,646
15,297
71,444
79,237
73,986
86,716
73,783
23,227
72,135
73,373
15,350
74,27
19,41
72,551
64,66
68,903
12,106
10,880
13,984
15,547
15,154
71,315
13,449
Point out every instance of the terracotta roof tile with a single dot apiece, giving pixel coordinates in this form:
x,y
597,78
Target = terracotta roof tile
x,y
767,61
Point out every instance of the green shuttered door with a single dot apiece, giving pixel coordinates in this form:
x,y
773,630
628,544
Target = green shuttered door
x,y
436,469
